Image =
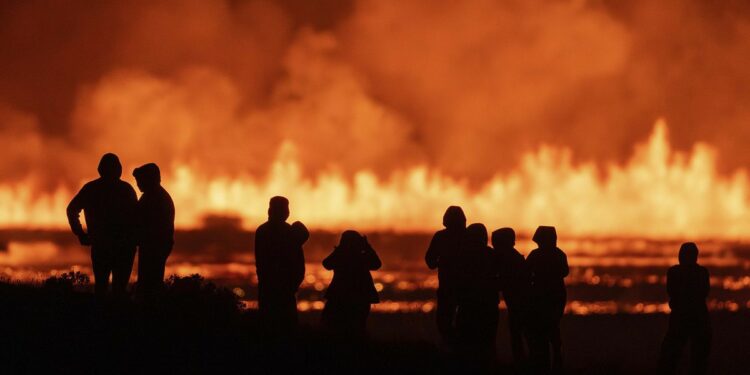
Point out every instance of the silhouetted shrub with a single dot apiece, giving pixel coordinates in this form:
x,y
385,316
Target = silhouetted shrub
x,y
192,296
66,282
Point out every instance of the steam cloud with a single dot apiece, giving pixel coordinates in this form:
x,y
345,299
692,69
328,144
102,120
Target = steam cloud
x,y
465,87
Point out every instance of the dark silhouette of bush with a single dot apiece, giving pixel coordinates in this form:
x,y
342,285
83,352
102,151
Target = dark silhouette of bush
x,y
66,282
191,326
187,297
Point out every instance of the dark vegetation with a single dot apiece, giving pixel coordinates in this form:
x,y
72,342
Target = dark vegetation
x,y
194,327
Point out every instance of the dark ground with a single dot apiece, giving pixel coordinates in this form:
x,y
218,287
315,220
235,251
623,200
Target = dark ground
x,y
197,328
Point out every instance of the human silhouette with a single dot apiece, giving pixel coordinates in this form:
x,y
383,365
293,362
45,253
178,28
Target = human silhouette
x,y
108,203
515,283
548,267
280,266
352,290
687,286
477,316
154,229
443,254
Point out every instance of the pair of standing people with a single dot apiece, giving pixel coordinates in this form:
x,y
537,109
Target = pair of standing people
x,y
471,275
280,267
117,223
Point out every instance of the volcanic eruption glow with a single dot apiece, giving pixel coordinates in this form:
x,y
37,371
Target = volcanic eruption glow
x,y
377,115
656,193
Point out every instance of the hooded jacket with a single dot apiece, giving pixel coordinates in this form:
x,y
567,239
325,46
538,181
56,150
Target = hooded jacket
x,y
688,283
108,204
351,262
445,247
547,264
155,210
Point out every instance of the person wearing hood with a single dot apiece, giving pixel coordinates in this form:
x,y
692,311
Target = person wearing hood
x,y
154,229
108,204
687,287
548,267
515,283
443,254
352,289
477,316
280,267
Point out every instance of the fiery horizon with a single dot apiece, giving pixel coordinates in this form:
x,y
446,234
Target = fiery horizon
x,y
376,115
656,193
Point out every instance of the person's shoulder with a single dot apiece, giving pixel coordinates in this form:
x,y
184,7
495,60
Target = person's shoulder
x,y
125,187
92,185
441,233
702,269
164,194
262,228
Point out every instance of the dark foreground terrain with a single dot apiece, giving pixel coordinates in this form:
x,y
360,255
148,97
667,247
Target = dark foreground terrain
x,y
199,328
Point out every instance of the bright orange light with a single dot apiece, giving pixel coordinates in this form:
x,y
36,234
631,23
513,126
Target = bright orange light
x,y
656,193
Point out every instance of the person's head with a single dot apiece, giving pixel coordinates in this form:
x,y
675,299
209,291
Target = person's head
x,y
454,218
688,254
278,209
110,167
300,233
350,240
545,236
147,177
503,238
476,234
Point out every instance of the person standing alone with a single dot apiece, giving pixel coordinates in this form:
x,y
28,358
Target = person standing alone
x,y
687,286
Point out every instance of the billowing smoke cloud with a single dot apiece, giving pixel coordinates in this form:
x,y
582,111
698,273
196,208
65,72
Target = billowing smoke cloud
x,y
465,87
486,80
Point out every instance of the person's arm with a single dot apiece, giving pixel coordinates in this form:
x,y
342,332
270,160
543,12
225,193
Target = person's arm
x,y
500,269
299,266
523,272
373,261
170,220
705,285
564,269
331,261
73,211
671,285
433,253
531,264
165,220
261,244
132,221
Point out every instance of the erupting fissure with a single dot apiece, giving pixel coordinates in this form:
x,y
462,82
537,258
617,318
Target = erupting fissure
x,y
657,193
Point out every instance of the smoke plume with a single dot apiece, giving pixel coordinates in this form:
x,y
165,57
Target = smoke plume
x,y
462,87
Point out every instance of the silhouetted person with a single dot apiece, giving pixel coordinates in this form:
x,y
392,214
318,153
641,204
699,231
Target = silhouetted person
x,y
154,229
477,317
687,286
515,283
108,204
280,266
442,254
352,290
548,266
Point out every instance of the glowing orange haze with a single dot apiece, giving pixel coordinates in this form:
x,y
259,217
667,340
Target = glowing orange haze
x,y
657,193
